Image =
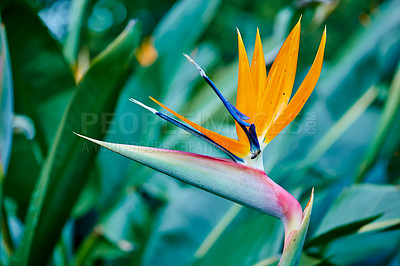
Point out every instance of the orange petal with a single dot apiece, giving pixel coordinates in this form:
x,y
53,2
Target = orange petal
x,y
280,82
301,96
258,70
232,145
245,99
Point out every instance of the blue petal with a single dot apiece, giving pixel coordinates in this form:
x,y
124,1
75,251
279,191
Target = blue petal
x,y
237,115
232,109
199,135
189,129
253,136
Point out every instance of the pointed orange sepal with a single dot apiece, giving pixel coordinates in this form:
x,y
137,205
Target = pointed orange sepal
x,y
280,82
258,69
302,94
246,98
234,146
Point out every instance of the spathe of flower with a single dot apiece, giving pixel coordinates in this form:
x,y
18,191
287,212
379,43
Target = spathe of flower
x,y
237,182
262,110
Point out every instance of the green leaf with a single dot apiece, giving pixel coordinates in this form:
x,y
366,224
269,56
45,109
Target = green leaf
x,y
43,82
364,219
362,202
125,223
218,230
97,246
6,104
69,162
301,167
6,116
305,260
385,124
357,65
340,231
123,227
20,181
170,44
362,249
249,238
183,224
392,224
337,129
354,206
77,16
6,240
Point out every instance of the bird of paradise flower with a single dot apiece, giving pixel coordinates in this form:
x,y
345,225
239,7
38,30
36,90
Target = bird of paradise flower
x,y
262,110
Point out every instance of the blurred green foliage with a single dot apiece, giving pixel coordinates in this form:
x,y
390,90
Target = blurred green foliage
x,y
71,65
